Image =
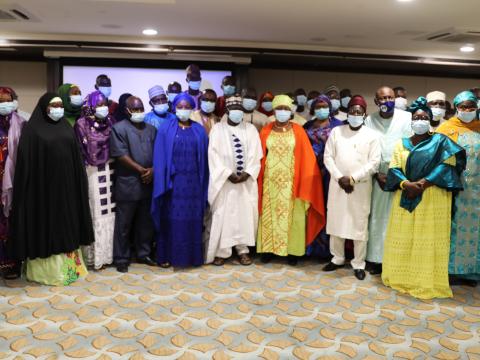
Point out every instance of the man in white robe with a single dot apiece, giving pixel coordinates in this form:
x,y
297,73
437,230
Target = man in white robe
x,y
234,156
352,155
392,125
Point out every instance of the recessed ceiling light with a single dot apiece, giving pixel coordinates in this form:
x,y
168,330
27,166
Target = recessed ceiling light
x,y
467,48
150,32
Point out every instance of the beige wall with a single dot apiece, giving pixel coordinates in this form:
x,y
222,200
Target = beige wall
x,y
364,84
28,79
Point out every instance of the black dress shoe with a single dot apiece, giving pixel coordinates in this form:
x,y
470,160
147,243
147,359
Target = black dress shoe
x,y
375,269
459,281
123,268
332,267
292,260
359,274
147,261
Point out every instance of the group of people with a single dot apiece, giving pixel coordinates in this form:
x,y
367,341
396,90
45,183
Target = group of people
x,y
87,181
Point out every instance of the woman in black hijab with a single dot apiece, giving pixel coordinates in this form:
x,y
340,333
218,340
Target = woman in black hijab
x,y
50,213
121,110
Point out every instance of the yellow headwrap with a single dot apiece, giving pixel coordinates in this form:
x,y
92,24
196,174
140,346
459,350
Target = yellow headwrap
x,y
282,100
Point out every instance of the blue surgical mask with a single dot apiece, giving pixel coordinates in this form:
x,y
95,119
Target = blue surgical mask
x,y
283,115
195,85
235,116
438,113
387,107
207,106
105,90
171,96
137,117
322,113
183,114
6,108
229,90
335,104
249,104
355,120
56,113
345,100
160,109
267,106
302,100
309,103
466,116
420,127
101,112
76,100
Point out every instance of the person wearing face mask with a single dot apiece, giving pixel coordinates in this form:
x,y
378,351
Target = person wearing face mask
x,y
50,217
205,116
318,130
400,98
312,95
121,111
23,114
72,102
173,89
464,129
392,124
292,211
301,99
229,89
333,93
11,125
131,145
352,156
345,97
159,104
234,155
104,85
296,118
194,80
436,103
180,188
425,169
251,115
265,104
93,131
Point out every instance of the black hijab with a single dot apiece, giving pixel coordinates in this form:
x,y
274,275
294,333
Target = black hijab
x,y
50,211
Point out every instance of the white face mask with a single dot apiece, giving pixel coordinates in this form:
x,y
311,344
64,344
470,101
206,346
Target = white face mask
x,y
467,116
355,120
345,100
401,103
420,127
283,115
6,108
76,100
438,113
137,117
235,116
302,100
183,114
56,113
101,112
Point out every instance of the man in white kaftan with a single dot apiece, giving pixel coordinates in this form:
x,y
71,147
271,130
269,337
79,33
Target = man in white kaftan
x,y
352,155
234,156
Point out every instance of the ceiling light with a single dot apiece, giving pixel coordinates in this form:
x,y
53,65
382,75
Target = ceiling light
x,y
150,32
467,48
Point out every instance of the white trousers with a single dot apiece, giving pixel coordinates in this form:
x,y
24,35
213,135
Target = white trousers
x,y
227,252
337,249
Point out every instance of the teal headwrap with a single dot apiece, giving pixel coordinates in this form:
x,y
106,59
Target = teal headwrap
x,y
420,104
464,96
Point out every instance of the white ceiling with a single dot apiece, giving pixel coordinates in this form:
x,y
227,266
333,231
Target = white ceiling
x,y
358,26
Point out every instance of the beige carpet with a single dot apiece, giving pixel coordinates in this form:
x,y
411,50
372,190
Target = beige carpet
x,y
270,311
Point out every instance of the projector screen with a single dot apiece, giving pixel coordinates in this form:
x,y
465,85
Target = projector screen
x,y
137,81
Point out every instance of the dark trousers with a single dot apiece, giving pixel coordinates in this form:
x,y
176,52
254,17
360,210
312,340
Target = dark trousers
x,y
132,216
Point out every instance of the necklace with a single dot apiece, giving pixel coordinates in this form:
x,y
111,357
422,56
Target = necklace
x,y
283,128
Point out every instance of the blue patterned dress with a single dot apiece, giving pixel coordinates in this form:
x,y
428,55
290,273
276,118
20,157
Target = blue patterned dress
x,y
465,239
180,242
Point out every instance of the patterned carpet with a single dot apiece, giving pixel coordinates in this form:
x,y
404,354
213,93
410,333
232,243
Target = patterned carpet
x,y
272,311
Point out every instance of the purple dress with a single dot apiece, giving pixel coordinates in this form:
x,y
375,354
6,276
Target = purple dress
x,y
318,138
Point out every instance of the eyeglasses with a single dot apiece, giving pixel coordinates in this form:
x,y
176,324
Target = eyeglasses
x,y
423,117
